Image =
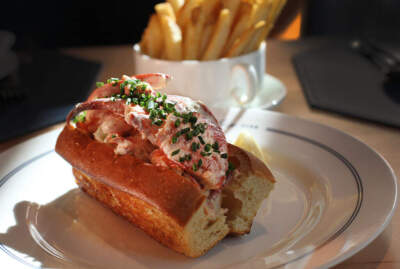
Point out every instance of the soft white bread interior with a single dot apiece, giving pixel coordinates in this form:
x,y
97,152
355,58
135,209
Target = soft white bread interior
x,y
243,194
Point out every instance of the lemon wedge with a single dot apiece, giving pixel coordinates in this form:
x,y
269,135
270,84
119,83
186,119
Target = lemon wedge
x,y
247,142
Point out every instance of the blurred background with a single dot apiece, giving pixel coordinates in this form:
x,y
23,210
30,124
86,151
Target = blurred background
x,y
51,24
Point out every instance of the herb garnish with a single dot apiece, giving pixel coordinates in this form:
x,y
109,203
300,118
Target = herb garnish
x,y
99,84
133,91
195,146
231,167
201,140
81,117
207,147
175,152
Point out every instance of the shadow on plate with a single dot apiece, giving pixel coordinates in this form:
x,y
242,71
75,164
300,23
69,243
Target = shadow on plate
x,y
75,231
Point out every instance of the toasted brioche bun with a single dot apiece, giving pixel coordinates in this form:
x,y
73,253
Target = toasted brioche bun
x,y
243,194
171,208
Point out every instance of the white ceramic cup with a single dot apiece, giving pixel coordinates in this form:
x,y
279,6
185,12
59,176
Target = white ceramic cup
x,y
213,82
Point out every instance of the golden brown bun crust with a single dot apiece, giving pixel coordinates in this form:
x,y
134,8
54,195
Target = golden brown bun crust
x,y
183,239
248,164
135,210
167,191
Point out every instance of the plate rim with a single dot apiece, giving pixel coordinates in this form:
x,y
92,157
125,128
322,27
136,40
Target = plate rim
x,y
349,253
327,263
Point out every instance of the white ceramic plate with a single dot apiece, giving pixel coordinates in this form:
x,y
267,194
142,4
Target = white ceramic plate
x,y
333,196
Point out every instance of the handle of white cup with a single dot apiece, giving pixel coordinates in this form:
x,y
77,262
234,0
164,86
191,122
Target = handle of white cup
x,y
251,78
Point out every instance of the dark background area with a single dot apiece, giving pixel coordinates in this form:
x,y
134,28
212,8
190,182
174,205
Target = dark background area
x,y
53,24
376,19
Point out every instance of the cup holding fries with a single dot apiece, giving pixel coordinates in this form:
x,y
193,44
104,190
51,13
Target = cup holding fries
x,y
214,49
216,82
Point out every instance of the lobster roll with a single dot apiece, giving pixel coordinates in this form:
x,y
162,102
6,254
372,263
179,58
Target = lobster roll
x,y
163,162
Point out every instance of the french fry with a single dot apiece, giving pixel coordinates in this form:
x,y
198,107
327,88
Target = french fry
x,y
260,11
165,9
276,9
192,34
219,36
244,39
185,11
232,5
211,9
208,29
253,43
152,40
241,24
207,19
176,5
172,38
206,37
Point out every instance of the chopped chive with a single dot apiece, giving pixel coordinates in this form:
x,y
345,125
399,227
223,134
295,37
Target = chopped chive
x,y
194,167
201,140
186,117
122,85
153,114
113,81
231,166
189,136
193,120
215,146
99,84
195,146
177,123
174,139
224,155
202,127
199,163
81,117
184,131
205,154
175,152
207,147
182,159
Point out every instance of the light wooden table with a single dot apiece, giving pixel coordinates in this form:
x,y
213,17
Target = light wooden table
x,y
384,252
